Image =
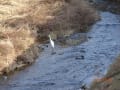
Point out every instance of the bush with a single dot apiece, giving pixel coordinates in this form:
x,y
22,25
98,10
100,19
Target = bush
x,y
24,22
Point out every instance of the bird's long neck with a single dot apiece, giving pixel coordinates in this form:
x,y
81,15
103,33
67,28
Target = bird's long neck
x,y
50,37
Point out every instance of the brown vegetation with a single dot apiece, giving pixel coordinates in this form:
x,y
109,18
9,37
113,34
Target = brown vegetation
x,y
25,22
111,81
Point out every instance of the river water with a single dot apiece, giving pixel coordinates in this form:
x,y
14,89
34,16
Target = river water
x,y
73,66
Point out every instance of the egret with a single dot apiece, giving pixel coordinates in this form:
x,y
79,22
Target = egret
x,y
5,77
52,44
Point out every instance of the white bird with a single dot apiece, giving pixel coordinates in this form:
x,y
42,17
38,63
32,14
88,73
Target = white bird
x,y
5,77
52,44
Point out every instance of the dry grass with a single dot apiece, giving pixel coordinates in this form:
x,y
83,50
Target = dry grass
x,y
24,21
51,15
76,15
13,43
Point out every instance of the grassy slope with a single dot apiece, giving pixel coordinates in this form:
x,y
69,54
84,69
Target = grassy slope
x,y
23,23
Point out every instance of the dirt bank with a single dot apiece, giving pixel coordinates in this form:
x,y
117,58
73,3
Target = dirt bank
x,y
26,23
111,81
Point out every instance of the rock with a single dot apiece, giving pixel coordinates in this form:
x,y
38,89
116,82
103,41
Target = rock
x,y
81,57
84,87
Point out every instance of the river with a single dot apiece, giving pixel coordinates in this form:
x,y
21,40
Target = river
x,y
74,66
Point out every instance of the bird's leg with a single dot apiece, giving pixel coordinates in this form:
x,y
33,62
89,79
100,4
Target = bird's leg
x,y
53,52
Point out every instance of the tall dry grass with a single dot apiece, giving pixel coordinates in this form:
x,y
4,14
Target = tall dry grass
x,y
24,22
12,44
51,15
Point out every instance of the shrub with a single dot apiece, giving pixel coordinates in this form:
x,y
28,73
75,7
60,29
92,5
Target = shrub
x,y
22,22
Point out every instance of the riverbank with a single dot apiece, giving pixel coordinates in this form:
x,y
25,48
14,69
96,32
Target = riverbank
x,y
111,81
26,24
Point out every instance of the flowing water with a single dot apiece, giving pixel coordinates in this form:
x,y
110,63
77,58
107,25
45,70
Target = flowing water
x,y
74,66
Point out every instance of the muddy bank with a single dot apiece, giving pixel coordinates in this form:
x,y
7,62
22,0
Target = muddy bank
x,y
111,81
